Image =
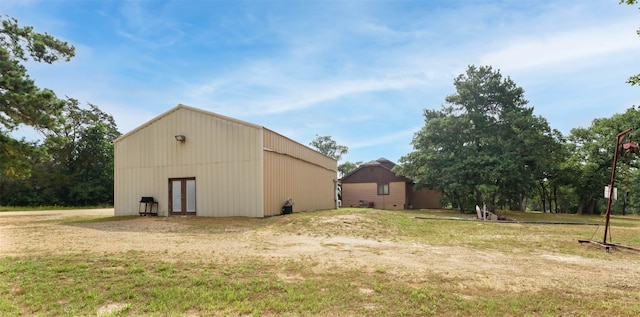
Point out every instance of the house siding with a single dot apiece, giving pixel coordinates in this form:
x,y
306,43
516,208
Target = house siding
x,y
352,193
396,197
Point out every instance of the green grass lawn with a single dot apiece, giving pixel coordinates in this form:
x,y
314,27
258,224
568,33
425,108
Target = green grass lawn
x,y
134,282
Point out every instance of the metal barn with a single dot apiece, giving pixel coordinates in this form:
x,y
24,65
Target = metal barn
x,y
189,161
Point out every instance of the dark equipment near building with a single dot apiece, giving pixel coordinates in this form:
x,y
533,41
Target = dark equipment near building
x,y
149,204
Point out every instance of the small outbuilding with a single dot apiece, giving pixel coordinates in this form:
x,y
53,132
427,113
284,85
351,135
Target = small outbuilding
x,y
188,161
374,184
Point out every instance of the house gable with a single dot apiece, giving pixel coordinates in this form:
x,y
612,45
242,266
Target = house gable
x,y
187,108
378,171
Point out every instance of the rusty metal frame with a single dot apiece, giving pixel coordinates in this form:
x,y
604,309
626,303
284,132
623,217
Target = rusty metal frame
x,y
614,164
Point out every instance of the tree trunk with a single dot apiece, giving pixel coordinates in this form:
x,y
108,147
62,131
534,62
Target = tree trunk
x,y
592,206
460,204
555,197
543,195
580,207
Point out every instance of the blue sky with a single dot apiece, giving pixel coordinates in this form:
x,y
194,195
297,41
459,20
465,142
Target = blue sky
x,y
359,71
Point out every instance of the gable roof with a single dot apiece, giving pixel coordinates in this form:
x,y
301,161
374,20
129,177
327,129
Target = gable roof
x,y
185,107
382,163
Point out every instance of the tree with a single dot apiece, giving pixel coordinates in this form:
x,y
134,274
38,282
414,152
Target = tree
x,y
593,154
327,146
346,167
440,156
21,101
83,150
484,146
551,176
78,170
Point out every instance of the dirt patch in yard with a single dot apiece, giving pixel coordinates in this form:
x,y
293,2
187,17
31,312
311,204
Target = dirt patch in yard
x,y
200,239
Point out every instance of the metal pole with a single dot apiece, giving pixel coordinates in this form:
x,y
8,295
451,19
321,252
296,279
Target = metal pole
x,y
612,181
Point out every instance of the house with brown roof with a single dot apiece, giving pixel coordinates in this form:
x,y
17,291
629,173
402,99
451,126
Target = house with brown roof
x,y
374,184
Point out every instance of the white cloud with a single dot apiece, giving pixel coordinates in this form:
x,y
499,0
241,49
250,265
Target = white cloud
x,y
570,47
323,92
264,94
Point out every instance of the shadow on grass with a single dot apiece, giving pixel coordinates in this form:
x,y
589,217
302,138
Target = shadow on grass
x,y
154,224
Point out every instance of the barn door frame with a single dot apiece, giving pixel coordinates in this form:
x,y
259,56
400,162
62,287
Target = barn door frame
x,y
182,196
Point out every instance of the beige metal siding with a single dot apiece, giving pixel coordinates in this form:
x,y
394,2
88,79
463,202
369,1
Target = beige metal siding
x,y
352,193
224,156
278,143
292,170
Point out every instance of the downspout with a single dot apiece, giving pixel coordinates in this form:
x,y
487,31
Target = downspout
x,y
335,193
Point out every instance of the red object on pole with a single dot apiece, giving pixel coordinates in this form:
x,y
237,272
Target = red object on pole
x,y
631,146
